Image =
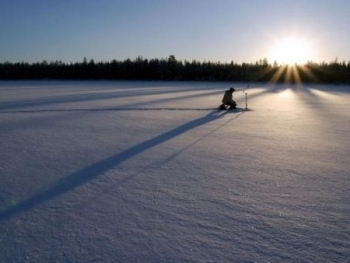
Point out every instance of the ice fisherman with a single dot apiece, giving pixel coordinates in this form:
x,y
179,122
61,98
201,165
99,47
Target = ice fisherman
x,y
227,100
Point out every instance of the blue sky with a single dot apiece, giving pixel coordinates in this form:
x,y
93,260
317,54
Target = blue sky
x,y
204,30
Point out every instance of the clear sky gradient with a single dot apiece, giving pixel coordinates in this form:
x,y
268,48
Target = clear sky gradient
x,y
204,30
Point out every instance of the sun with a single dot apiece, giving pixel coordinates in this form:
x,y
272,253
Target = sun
x,y
291,51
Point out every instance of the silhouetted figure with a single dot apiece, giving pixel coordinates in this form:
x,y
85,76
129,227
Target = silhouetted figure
x,y
227,100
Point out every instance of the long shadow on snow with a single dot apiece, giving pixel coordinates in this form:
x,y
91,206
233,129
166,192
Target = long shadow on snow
x,y
305,93
307,90
91,172
7,107
278,88
88,96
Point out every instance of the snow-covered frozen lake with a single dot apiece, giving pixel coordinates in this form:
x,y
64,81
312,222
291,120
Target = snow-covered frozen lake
x,y
151,172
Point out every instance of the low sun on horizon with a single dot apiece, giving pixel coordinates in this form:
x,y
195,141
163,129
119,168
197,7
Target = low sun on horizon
x,y
290,51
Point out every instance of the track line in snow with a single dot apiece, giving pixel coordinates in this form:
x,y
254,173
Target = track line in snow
x,y
116,109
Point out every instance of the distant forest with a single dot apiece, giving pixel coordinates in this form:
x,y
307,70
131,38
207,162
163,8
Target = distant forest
x,y
173,69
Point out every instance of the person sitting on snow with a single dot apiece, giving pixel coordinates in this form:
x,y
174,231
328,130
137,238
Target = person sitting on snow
x,y
227,100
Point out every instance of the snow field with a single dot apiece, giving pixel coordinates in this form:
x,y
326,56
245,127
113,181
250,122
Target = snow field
x,y
151,172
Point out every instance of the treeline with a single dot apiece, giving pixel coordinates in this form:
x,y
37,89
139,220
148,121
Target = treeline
x,y
172,69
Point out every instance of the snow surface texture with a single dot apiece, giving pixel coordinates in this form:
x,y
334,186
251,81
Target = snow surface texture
x,y
151,172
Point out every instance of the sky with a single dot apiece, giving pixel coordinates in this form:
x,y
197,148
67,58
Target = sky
x,y
202,30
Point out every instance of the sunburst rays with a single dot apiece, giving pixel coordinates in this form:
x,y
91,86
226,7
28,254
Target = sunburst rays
x,y
290,74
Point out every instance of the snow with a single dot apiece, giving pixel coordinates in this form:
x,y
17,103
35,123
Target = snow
x,y
150,172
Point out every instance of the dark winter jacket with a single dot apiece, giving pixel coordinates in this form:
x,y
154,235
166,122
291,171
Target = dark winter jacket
x,y
227,99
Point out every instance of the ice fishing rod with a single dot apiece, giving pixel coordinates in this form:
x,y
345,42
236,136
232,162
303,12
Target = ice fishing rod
x,y
246,97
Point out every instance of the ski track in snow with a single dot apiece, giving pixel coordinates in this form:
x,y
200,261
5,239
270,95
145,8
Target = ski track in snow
x,y
151,172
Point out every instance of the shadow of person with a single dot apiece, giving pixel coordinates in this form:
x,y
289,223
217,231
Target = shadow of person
x,y
86,174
